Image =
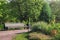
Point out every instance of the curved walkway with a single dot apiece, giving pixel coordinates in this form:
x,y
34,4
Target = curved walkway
x,y
8,35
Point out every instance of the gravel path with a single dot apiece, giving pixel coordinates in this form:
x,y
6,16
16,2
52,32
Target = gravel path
x,y
8,35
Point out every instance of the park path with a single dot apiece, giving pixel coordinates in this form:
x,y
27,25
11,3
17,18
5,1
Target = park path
x,y
8,35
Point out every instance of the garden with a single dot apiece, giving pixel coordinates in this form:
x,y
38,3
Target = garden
x,y
42,16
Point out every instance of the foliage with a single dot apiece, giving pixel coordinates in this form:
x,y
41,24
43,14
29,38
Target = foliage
x,y
2,10
55,6
45,28
57,27
22,10
27,8
46,14
57,37
8,13
34,36
1,27
21,36
35,27
42,26
25,11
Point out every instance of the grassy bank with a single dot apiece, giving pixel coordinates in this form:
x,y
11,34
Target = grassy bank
x,y
23,36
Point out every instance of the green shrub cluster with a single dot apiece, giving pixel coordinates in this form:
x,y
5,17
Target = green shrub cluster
x,y
57,26
57,37
43,27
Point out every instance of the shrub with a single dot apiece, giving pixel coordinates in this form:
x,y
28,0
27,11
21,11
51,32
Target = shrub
x,y
44,27
57,26
36,27
46,14
57,37
41,26
1,27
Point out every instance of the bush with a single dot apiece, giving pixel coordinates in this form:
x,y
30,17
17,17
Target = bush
x,y
46,14
1,27
40,26
43,27
35,27
57,26
57,37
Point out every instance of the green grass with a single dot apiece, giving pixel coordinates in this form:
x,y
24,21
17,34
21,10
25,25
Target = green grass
x,y
1,27
21,36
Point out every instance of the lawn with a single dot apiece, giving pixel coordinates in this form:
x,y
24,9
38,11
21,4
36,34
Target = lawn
x,y
23,36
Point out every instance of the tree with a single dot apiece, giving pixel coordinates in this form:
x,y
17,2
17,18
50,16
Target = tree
x,y
3,15
8,13
46,14
2,11
55,6
29,9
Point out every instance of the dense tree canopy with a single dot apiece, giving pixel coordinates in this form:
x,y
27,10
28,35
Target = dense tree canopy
x,y
8,12
3,9
46,14
28,9
24,10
